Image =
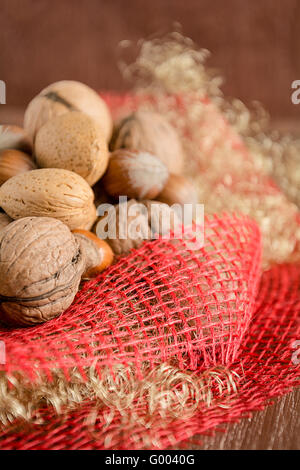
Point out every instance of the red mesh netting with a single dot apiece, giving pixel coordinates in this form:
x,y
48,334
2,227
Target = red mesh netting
x,y
265,364
170,299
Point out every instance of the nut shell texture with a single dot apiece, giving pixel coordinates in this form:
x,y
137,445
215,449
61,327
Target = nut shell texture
x,y
98,254
150,132
62,97
74,142
40,269
135,174
50,192
14,162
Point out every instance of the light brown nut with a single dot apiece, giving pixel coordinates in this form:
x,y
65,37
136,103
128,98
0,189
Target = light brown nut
x,y
75,142
62,97
13,162
150,132
178,190
41,264
4,220
14,137
98,254
50,192
135,174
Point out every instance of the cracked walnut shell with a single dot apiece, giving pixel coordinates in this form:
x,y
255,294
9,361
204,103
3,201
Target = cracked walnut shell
x,y
41,264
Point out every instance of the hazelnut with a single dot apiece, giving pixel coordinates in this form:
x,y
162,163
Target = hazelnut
x,y
14,162
62,97
41,264
50,192
14,137
149,132
75,142
135,174
178,190
98,254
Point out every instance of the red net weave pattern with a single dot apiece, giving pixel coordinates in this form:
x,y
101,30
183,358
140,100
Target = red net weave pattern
x,y
267,362
168,300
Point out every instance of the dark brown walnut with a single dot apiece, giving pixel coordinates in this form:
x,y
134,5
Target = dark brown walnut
x,y
41,264
150,132
134,223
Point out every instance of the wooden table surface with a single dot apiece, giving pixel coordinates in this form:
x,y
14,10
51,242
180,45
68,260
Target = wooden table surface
x,y
277,426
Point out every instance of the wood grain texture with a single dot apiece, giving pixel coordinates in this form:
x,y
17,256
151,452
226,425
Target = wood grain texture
x,y
254,43
277,427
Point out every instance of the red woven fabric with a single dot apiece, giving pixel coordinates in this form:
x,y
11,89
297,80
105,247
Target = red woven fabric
x,y
168,300
267,363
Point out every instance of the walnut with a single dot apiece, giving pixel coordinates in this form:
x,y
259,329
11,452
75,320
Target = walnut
x,y
150,132
63,97
41,264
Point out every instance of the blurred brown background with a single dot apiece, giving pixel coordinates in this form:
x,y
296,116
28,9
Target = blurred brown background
x,y
254,43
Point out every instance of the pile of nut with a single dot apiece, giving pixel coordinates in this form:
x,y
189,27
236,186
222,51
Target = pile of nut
x,y
53,174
